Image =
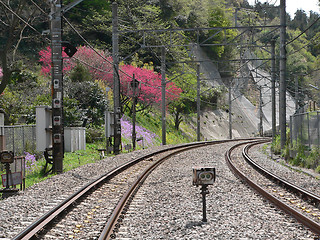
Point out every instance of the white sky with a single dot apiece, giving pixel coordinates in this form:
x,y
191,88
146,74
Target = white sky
x,y
293,5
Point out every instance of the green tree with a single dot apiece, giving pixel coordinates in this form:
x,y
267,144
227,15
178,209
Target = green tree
x,y
186,103
25,91
300,20
20,21
86,100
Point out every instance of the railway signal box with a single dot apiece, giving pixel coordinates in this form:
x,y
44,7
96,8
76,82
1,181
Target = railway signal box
x,y
204,176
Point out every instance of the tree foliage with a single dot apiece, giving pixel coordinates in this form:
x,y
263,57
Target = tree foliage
x,y
18,28
86,67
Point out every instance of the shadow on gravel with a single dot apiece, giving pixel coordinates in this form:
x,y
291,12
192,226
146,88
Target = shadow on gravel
x,y
195,224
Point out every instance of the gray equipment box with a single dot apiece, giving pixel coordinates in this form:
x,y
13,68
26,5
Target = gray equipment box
x,y
204,176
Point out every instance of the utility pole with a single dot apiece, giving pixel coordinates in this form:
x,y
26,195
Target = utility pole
x,y
57,82
57,87
260,113
135,89
230,115
282,97
163,94
116,80
198,102
297,92
273,90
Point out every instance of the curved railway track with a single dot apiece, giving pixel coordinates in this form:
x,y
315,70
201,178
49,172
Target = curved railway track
x,y
294,200
94,196
44,224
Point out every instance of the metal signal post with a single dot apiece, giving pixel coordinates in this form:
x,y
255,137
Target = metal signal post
x,y
57,80
116,80
57,87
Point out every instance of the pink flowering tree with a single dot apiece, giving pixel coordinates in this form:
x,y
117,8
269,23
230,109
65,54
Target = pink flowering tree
x,y
150,86
101,69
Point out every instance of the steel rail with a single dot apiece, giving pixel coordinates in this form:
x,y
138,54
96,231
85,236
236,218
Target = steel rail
x,y
305,194
42,222
61,208
312,225
108,232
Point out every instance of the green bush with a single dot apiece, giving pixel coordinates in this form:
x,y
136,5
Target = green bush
x,y
312,160
276,146
300,156
94,134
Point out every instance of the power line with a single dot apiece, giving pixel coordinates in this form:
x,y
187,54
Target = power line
x,y
90,46
303,32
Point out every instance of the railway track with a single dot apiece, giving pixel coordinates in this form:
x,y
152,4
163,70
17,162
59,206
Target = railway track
x,y
300,203
95,211
98,198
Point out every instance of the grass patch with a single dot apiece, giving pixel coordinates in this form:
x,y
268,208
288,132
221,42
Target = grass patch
x,y
151,131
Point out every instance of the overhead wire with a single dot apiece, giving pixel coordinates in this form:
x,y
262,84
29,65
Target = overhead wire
x,y
90,46
304,31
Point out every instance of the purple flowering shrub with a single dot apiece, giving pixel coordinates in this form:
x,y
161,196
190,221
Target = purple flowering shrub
x,y
30,163
149,137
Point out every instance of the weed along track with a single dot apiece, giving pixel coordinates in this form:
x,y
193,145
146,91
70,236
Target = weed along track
x,y
152,196
294,200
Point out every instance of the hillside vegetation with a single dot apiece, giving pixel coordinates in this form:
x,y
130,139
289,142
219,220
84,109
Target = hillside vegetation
x,y
26,54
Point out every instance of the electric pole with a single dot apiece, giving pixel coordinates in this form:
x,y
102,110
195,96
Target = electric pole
x,y
57,87
230,115
282,97
273,90
198,102
163,94
135,90
260,113
297,92
116,80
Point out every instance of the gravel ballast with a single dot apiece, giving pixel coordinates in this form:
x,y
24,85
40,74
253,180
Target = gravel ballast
x,y
168,206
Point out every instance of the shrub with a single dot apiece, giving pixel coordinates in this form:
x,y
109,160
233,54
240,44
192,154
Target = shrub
x,y
94,134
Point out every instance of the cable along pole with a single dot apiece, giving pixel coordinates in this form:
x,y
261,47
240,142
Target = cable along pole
x,y
57,87
57,82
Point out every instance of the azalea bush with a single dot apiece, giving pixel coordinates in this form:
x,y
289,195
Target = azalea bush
x,y
30,162
149,138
